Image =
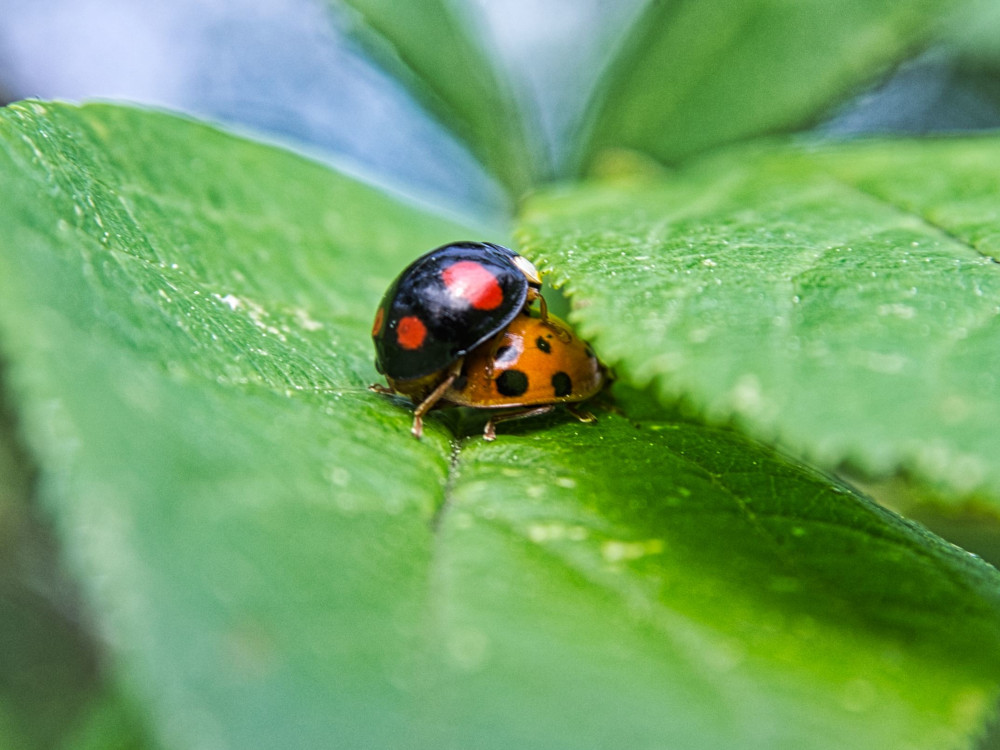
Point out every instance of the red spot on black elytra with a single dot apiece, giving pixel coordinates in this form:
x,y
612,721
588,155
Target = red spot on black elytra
x,y
379,317
474,283
411,332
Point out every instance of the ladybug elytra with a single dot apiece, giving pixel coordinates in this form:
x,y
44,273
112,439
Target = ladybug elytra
x,y
455,327
447,302
529,368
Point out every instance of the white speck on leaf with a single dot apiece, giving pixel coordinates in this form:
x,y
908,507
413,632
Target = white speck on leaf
x,y
898,310
615,550
303,319
233,301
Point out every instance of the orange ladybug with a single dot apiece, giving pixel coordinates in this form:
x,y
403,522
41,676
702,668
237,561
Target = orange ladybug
x,y
530,367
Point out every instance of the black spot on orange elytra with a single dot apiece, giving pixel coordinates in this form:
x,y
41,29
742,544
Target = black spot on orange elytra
x,y
562,384
543,345
512,383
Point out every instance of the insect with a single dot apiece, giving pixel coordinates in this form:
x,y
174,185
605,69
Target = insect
x,y
527,369
442,306
447,302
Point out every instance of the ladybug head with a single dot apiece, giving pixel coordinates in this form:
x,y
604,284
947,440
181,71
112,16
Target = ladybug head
x,y
526,267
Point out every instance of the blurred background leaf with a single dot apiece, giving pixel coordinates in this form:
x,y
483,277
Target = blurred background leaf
x,y
534,73
437,46
694,75
279,69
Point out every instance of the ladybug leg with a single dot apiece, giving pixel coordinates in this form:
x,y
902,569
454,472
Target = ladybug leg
x,y
490,432
379,388
543,314
543,309
561,333
582,414
428,403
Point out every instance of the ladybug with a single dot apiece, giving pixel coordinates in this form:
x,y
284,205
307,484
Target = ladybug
x,y
530,367
443,305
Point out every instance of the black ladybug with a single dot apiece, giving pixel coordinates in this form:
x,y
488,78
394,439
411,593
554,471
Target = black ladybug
x,y
443,305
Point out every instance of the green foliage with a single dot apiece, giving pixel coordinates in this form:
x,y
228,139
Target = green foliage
x,y
429,44
267,558
699,74
827,297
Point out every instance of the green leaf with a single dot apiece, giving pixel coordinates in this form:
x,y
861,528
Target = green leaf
x,y
52,667
274,561
111,723
187,316
699,585
694,75
842,300
49,666
435,48
972,32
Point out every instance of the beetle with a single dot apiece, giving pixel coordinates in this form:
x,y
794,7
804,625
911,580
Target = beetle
x,y
443,305
529,368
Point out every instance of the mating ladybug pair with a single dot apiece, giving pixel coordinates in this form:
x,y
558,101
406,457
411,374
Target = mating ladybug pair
x,y
456,327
